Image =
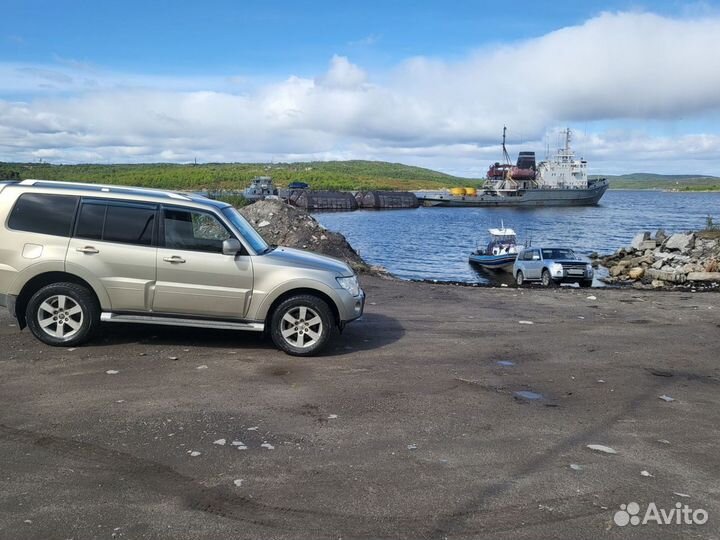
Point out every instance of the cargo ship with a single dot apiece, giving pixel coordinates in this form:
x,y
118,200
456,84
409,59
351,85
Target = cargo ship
x,y
560,180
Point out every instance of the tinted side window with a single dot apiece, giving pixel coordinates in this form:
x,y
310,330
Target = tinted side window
x,y
193,231
44,214
129,224
91,221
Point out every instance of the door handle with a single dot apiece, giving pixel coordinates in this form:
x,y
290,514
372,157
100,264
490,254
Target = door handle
x,y
88,250
174,259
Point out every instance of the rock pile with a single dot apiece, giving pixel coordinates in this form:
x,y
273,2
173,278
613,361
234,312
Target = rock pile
x,y
284,225
678,260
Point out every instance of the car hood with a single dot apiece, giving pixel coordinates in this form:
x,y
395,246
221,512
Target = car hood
x,y
306,259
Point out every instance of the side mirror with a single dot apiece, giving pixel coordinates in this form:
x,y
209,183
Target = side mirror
x,y
231,246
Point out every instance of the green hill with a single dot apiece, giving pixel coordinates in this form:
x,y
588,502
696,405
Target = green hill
x,y
345,175
679,182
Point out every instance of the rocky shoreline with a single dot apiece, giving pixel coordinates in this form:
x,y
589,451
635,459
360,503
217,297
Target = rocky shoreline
x,y
678,261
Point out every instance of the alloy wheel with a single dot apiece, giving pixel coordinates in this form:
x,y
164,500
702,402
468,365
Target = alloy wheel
x,y
60,316
301,327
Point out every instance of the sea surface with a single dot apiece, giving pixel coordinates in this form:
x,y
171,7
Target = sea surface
x,y
434,243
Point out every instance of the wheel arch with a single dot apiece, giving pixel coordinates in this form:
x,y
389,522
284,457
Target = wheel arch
x,y
302,291
38,282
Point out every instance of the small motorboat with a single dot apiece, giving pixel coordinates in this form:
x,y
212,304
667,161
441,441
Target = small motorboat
x,y
500,252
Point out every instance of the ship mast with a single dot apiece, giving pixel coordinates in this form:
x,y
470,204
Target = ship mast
x,y
568,137
506,156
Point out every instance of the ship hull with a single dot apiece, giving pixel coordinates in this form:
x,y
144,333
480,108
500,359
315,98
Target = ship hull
x,y
530,197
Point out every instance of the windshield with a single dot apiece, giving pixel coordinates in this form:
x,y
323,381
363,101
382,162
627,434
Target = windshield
x,y
558,254
250,235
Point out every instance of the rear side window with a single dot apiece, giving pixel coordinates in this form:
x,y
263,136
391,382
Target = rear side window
x,y
91,221
43,214
129,225
119,223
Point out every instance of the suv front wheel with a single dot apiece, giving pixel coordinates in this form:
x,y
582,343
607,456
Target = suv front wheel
x,y
63,314
301,325
546,279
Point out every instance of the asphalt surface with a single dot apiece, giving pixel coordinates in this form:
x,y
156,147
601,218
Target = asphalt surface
x,y
407,428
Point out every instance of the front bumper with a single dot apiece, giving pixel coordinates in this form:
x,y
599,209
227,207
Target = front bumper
x,y
569,277
9,301
351,307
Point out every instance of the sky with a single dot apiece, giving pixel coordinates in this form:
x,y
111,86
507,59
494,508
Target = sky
x,y
426,83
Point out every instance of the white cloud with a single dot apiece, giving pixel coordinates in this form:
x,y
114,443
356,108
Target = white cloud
x,y
367,41
343,74
449,115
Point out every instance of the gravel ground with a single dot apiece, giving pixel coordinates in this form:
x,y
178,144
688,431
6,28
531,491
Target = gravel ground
x,y
409,427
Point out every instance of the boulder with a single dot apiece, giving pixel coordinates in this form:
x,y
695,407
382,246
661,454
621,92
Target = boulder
x,y
636,273
618,269
704,276
648,245
660,236
639,239
637,261
679,242
657,284
666,275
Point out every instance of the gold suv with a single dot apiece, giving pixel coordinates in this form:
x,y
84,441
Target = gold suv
x,y
73,255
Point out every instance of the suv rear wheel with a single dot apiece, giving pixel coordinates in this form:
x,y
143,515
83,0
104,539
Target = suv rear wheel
x,y
63,314
520,278
301,325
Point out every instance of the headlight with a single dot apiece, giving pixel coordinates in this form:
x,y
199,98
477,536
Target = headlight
x,y
350,284
589,268
556,269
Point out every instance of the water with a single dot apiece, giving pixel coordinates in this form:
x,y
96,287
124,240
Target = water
x,y
434,243
527,394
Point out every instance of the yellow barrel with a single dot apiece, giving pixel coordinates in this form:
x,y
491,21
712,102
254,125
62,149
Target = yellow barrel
x,y
457,191
471,191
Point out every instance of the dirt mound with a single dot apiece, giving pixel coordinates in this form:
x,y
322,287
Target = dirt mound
x,y
285,225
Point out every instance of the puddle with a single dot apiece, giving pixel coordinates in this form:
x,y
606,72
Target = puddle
x,y
505,363
527,394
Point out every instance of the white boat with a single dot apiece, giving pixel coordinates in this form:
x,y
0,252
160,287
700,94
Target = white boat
x,y
500,252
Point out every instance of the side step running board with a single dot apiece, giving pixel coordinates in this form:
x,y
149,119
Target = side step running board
x,y
169,321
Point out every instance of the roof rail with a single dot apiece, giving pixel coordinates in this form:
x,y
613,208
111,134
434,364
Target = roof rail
x,y
104,188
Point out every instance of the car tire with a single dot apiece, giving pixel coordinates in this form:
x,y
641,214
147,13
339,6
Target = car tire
x,y
63,314
520,278
302,325
585,283
546,279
